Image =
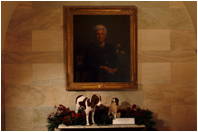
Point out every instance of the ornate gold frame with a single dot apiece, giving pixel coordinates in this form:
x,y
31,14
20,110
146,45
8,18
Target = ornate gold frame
x,y
68,12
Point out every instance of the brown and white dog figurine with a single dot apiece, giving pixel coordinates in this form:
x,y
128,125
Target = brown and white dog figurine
x,y
88,105
113,108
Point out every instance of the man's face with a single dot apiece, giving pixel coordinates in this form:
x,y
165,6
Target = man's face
x,y
100,35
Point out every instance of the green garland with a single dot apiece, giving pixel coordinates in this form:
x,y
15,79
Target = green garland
x,y
142,117
56,118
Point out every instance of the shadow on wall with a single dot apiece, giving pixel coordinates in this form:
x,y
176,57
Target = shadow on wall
x,y
124,105
160,123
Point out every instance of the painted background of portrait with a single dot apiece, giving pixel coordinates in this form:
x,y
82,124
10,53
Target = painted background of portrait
x,y
118,32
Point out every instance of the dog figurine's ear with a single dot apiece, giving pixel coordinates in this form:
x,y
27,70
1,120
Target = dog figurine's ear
x,y
117,101
94,100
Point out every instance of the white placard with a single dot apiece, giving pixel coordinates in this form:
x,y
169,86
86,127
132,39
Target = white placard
x,y
123,121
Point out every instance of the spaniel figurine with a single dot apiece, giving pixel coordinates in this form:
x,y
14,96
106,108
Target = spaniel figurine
x,y
88,105
113,108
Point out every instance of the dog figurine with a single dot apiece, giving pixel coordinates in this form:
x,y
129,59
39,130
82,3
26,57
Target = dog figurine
x,y
88,105
113,108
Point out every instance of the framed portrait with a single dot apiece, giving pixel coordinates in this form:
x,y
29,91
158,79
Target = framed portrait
x,y
100,47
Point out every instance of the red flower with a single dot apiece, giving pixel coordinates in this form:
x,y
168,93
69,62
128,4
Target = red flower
x,y
134,106
73,114
63,108
77,115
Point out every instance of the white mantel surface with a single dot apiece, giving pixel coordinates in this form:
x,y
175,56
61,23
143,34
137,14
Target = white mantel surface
x,y
62,126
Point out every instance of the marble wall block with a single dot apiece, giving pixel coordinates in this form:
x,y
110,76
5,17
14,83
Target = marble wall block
x,y
47,19
2,67
184,72
139,4
161,114
180,19
44,40
150,4
51,95
2,47
61,19
2,75
40,115
25,5
157,94
59,4
30,19
176,4
156,73
168,56
184,115
20,40
164,18
183,40
48,74
3,57
152,40
23,96
33,57
183,94
19,118
2,96
139,73
153,18
170,94
63,57
18,74
21,19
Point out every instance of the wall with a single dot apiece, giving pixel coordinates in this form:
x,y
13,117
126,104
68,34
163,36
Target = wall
x,y
5,17
34,75
191,7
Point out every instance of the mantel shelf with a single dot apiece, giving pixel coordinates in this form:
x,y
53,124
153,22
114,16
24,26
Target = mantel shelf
x,y
64,127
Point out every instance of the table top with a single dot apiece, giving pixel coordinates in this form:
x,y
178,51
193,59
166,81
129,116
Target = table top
x,y
62,126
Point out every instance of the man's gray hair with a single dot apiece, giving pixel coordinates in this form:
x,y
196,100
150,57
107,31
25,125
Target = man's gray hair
x,y
99,27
